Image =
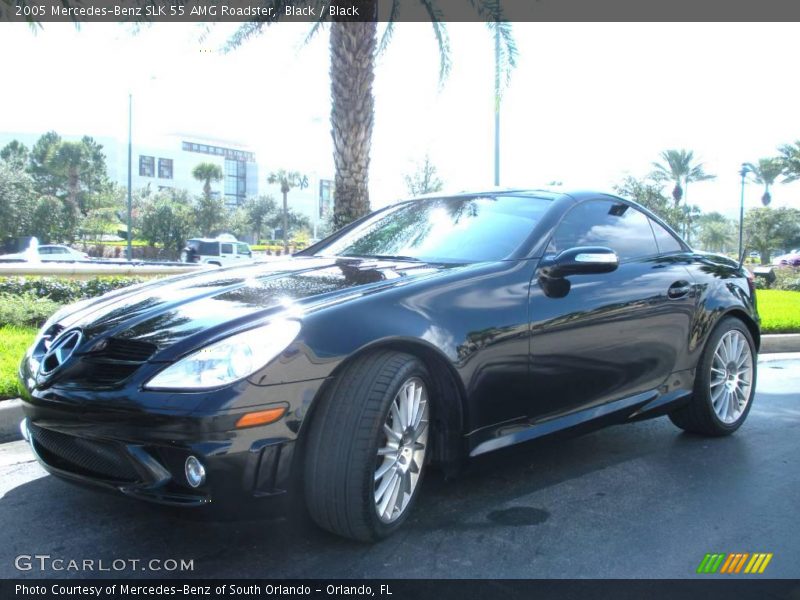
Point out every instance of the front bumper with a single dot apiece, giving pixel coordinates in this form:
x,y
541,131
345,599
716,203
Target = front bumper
x,y
142,453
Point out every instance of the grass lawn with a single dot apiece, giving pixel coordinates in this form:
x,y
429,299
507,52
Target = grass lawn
x,y
779,310
13,343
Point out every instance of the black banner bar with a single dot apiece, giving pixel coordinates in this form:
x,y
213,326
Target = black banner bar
x,y
161,11
710,588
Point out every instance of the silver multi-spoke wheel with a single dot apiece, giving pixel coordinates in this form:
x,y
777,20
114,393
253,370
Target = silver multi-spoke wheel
x,y
402,455
731,376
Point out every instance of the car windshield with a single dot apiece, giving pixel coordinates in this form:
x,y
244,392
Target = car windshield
x,y
461,229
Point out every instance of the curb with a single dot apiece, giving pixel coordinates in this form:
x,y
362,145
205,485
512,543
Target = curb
x,y
781,342
10,416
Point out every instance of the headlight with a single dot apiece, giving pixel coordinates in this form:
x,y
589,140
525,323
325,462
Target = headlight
x,y
228,360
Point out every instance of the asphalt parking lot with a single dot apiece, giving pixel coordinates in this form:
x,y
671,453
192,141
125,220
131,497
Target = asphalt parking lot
x,y
640,500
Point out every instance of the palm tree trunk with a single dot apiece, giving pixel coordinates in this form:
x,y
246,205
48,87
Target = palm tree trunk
x,y
285,223
352,47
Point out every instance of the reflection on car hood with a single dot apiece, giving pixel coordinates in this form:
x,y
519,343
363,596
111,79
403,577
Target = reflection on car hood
x,y
168,311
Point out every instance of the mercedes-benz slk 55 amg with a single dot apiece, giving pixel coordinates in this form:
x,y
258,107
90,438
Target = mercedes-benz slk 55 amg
x,y
430,331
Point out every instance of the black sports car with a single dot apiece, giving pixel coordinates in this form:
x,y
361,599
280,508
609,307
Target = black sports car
x,y
429,331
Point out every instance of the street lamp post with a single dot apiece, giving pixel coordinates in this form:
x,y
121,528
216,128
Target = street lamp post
x,y
497,105
130,159
743,172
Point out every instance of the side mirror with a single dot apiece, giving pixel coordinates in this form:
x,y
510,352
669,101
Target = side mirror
x,y
581,260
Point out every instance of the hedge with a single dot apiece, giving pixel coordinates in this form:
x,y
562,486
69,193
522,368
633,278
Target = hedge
x,y
63,290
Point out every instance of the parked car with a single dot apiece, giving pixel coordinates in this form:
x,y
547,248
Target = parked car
x,y
221,251
49,252
791,258
425,333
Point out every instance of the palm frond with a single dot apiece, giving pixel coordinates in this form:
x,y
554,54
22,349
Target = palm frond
x,y
507,52
319,5
244,32
389,31
442,38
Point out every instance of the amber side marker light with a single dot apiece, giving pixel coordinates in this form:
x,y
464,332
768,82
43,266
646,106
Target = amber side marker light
x,y
261,417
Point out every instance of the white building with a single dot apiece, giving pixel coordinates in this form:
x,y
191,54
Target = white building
x,y
167,162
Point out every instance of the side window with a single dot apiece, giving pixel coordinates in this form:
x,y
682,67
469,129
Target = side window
x,y
666,241
615,225
226,248
45,250
243,249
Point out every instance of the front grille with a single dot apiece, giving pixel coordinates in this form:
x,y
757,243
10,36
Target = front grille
x,y
113,363
119,349
92,458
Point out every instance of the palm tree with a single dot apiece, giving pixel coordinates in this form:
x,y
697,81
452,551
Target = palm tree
x,y
678,167
207,172
353,49
287,180
766,172
790,158
715,232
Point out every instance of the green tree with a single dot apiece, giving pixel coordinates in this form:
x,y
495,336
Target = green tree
x,y
650,194
424,179
78,170
765,172
207,173
211,215
15,154
54,220
168,219
258,213
17,201
678,167
770,228
103,212
287,180
295,222
353,50
716,232
790,158
690,213
70,171
40,157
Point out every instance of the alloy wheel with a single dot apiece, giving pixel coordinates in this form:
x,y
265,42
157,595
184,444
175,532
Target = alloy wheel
x,y
731,376
400,459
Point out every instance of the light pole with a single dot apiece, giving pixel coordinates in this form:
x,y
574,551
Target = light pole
x,y
497,105
130,159
743,172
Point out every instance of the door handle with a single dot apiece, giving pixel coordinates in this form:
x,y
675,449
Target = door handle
x,y
679,289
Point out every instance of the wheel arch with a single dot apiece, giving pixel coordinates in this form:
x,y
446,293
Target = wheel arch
x,y
449,397
749,322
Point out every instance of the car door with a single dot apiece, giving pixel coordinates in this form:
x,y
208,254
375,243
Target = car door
x,y
242,252
226,253
597,338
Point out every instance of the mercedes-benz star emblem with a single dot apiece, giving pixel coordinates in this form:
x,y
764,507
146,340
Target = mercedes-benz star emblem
x,y
60,351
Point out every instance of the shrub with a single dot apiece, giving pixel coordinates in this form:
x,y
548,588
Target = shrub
x,y
63,290
25,310
15,341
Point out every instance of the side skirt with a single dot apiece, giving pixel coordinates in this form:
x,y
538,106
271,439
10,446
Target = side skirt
x,y
645,405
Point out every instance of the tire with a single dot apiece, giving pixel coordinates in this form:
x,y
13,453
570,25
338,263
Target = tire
x,y
706,413
348,430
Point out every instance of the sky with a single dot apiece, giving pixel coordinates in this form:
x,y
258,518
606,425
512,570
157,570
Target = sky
x,y
587,104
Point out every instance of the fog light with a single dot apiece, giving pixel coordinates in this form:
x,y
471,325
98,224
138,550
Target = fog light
x,y
195,472
23,429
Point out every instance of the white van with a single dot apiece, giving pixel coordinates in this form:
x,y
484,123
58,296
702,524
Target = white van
x,y
223,251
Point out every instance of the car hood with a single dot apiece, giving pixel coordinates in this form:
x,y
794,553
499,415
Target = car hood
x,y
179,313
